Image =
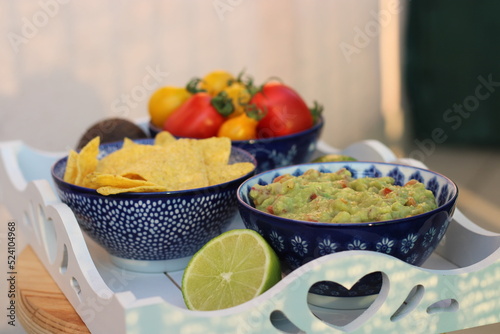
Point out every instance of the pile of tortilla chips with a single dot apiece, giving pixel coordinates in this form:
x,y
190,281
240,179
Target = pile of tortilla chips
x,y
168,165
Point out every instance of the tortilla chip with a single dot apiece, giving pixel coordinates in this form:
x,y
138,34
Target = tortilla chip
x,y
177,166
87,161
133,176
88,182
108,190
164,138
120,160
71,167
223,173
127,142
216,150
102,180
168,165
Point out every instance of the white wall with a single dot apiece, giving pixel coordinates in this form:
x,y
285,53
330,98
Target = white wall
x,y
67,64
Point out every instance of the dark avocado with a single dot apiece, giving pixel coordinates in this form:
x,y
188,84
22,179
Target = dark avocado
x,y
110,130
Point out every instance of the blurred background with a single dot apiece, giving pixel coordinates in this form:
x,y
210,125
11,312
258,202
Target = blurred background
x,y
66,65
421,76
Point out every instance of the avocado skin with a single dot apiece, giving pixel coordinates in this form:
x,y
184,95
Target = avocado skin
x,y
110,130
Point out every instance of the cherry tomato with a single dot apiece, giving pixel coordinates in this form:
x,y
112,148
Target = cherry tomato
x,y
240,127
239,95
199,117
215,82
285,111
164,101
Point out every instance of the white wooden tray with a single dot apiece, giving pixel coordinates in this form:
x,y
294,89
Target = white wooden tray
x,y
457,288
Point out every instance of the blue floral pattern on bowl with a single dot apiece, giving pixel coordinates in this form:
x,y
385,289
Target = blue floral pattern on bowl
x,y
416,176
152,226
372,171
398,176
411,239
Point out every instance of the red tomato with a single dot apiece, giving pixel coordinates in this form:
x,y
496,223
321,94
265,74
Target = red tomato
x,y
196,118
285,111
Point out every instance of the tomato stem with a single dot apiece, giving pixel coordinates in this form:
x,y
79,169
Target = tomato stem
x,y
252,89
248,82
253,112
239,78
192,86
223,104
316,111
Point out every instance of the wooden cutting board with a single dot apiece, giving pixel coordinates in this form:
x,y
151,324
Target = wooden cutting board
x,y
41,305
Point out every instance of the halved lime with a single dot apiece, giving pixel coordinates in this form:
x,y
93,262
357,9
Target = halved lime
x,y
229,270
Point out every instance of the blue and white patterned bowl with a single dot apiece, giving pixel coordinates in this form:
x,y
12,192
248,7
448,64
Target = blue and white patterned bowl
x,y
277,152
410,239
155,231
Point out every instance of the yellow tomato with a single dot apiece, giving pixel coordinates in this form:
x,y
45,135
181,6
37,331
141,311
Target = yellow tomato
x,y
240,127
239,95
215,82
164,102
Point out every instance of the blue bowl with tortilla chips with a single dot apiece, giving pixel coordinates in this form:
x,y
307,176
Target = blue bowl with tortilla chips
x,y
153,231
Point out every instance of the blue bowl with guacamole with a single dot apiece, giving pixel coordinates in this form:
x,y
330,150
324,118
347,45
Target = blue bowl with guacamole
x,y
315,209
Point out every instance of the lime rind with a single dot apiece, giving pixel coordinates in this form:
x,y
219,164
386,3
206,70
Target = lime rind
x,y
229,270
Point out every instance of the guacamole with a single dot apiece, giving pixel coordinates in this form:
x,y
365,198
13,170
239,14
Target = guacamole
x,y
339,198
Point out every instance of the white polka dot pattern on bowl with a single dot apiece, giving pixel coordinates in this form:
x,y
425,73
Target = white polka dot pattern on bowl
x,y
152,226
152,229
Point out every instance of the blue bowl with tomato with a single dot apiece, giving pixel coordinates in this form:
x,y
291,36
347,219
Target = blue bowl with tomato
x,y
274,152
411,239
